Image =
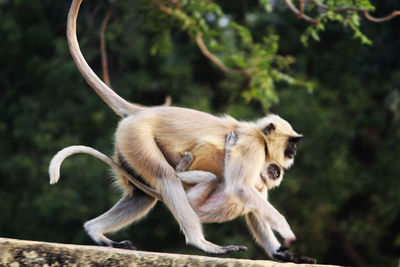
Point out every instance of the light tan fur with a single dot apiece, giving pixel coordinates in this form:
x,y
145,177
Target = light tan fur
x,y
152,140
205,194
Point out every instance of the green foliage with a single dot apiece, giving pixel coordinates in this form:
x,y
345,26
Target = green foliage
x,y
352,21
235,46
336,12
343,96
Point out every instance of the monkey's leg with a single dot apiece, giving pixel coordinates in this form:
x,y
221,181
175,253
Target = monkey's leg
x,y
178,203
265,237
145,157
204,184
124,212
263,233
252,199
242,171
193,177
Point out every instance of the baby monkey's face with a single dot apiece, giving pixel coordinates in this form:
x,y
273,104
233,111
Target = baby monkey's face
x,y
271,174
273,171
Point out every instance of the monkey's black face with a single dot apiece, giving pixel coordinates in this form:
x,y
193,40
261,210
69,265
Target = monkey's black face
x,y
291,148
274,172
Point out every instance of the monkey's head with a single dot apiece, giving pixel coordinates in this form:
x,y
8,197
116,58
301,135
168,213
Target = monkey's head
x,y
280,139
271,174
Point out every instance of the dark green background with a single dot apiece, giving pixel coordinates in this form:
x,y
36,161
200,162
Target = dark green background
x,y
342,197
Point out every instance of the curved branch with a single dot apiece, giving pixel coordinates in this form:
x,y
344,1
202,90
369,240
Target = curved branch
x,y
301,7
382,19
337,9
104,62
299,13
203,47
117,103
357,9
162,7
103,51
210,56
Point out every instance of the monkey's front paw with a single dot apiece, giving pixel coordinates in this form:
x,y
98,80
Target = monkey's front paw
x,y
187,157
288,257
230,249
126,244
282,248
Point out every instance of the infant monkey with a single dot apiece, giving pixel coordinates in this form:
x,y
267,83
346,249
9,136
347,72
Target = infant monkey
x,y
211,204
206,194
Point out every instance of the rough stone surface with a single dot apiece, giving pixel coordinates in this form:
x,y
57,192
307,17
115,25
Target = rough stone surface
x,y
20,253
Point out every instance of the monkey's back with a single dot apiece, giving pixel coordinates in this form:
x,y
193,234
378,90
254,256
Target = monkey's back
x,y
177,130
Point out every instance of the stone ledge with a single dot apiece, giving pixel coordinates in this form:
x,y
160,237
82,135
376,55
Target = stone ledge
x,y
19,253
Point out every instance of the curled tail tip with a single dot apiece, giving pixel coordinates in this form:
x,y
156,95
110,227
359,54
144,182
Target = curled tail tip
x,y
53,177
57,160
54,171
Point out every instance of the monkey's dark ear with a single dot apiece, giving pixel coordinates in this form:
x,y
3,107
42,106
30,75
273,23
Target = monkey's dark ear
x,y
269,128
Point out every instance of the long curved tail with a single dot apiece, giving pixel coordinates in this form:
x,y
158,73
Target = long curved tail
x,y
56,161
122,107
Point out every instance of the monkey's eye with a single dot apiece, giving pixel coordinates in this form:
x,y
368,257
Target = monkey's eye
x,y
296,139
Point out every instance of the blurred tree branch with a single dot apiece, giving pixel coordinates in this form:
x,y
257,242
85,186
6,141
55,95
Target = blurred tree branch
x,y
200,43
216,60
257,61
104,62
103,50
300,12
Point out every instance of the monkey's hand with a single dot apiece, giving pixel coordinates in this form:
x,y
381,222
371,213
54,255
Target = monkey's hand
x,y
285,256
231,139
185,162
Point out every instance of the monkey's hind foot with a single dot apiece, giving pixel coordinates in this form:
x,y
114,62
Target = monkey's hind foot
x,y
126,244
288,257
230,249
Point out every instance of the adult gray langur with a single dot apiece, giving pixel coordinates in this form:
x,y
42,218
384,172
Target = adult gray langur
x,y
151,142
